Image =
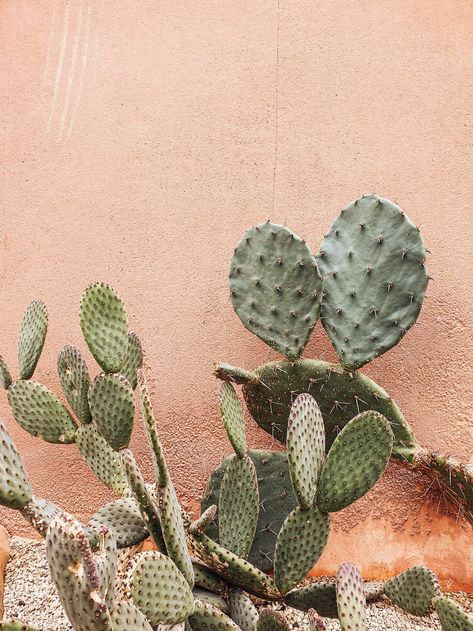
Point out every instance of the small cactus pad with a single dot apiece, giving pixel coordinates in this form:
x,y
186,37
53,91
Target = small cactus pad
x,y
112,405
126,617
356,460
340,396
242,610
209,618
106,561
351,601
271,620
205,520
14,625
374,279
235,570
161,471
276,497
5,377
320,595
159,590
40,413
413,590
133,360
101,458
123,518
33,329
206,579
316,623
146,502
105,326
238,506
75,381
233,419
73,569
15,488
452,617
305,447
40,513
275,287
300,543
174,535
206,596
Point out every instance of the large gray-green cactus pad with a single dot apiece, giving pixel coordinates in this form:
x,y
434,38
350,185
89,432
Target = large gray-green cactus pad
x,y
275,287
374,279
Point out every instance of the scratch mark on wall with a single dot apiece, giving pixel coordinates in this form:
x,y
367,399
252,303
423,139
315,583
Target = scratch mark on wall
x,y
59,68
276,107
85,52
52,28
72,70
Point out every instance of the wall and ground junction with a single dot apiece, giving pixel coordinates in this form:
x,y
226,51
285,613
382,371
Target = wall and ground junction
x,y
139,140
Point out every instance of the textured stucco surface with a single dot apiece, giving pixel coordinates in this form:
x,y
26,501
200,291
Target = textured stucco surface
x,y
138,141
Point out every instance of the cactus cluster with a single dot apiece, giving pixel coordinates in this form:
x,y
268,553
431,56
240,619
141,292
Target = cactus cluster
x,y
194,580
367,283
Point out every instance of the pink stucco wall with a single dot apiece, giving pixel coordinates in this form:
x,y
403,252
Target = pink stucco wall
x,y
140,138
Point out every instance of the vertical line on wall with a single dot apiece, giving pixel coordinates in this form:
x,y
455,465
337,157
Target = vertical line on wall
x,y
276,106
59,67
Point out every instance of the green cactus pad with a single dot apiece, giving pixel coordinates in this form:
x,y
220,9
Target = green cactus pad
x,y
242,610
238,506
133,360
209,618
173,531
157,452
112,405
206,579
356,460
126,617
206,596
101,458
146,502
205,520
33,329
105,326
413,590
233,419
270,620
124,519
275,287
14,625
159,590
320,595
106,561
75,381
5,377
351,601
40,413
374,279
300,543
74,572
452,617
15,488
237,571
305,447
40,513
340,396
276,496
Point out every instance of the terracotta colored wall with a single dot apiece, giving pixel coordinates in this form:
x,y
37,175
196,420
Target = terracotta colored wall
x,y
139,139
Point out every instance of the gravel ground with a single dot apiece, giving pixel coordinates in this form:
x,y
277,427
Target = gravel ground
x,y
31,597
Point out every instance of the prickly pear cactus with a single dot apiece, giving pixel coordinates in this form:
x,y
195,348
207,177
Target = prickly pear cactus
x,y
112,405
105,326
33,329
123,518
242,610
14,625
413,590
5,377
15,488
276,497
319,595
351,601
452,617
271,620
75,381
40,513
373,264
209,618
133,360
355,462
233,419
126,616
40,413
275,287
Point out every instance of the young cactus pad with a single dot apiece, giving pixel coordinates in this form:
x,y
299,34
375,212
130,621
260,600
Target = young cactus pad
x,y
351,601
75,381
276,497
413,590
374,279
33,329
275,287
233,419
